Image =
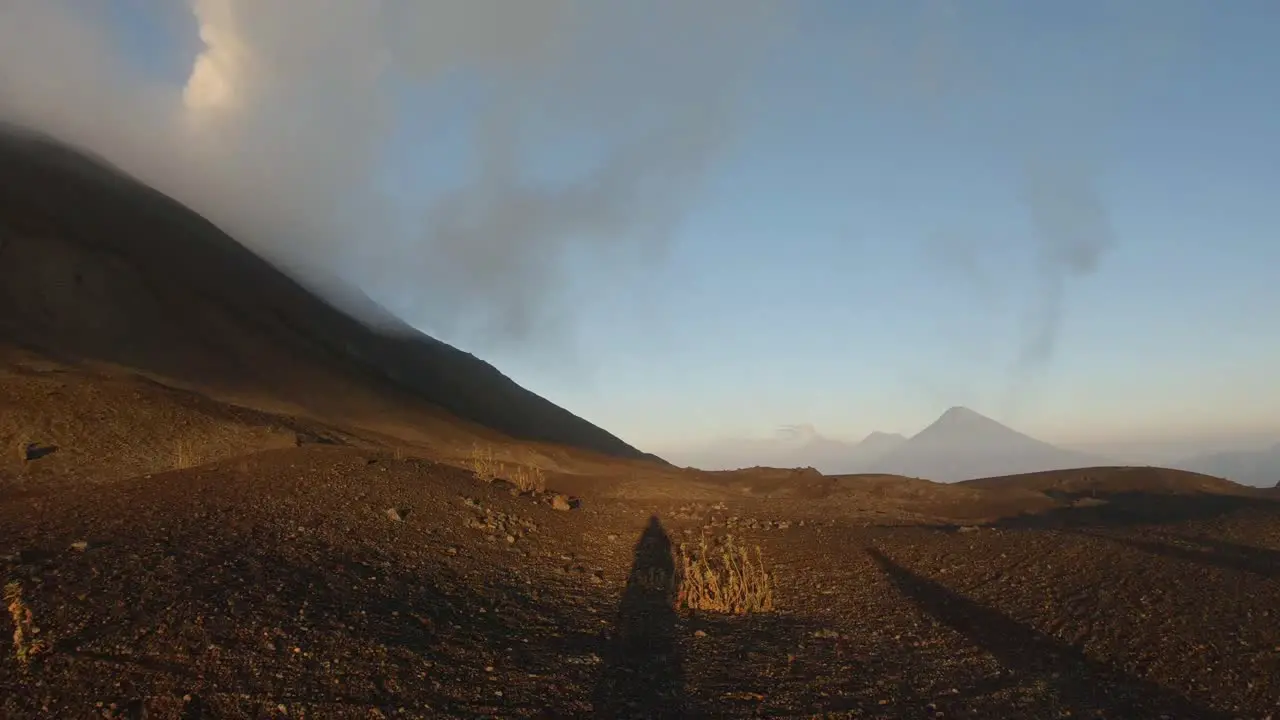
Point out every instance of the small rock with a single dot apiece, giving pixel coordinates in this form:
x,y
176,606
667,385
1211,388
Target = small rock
x,y
394,515
80,545
560,502
699,633
451,551
511,539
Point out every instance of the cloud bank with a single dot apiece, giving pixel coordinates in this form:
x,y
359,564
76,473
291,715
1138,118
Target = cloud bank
x,y
454,157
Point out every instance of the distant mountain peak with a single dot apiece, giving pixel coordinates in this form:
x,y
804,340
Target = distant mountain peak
x,y
960,413
963,444
961,421
878,436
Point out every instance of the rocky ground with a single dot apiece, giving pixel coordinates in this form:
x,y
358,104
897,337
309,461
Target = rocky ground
x,y
333,582
222,498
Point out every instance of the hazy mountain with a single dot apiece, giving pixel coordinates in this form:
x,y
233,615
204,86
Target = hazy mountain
x,y
1247,467
793,446
875,446
962,444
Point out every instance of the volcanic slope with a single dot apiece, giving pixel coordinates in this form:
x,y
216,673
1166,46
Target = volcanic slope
x,y
230,500
96,266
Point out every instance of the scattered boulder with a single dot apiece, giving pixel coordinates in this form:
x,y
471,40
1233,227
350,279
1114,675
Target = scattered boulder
x,y
562,502
29,451
499,525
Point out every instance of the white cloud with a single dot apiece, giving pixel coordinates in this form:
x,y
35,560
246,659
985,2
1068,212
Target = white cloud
x,y
281,133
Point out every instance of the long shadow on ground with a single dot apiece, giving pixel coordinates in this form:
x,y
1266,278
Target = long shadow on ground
x,y
1219,554
1083,686
643,674
661,665
1140,508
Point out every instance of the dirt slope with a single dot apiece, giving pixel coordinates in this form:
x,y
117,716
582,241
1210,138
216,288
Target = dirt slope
x,y
276,585
1099,482
93,265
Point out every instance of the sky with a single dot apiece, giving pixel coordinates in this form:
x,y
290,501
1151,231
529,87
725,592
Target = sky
x,y
704,220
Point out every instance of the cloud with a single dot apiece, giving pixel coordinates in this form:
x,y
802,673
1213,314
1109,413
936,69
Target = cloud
x,y
590,127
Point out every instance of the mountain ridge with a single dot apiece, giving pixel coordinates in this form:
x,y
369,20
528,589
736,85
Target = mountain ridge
x,y
1260,468
101,266
963,444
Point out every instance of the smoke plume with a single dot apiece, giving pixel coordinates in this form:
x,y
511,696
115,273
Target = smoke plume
x,y
453,157
1059,145
1072,232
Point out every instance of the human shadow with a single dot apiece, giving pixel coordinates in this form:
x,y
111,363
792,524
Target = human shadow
x,y
643,672
1083,685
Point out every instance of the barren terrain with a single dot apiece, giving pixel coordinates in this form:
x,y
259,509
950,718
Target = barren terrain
x,y
210,509
277,584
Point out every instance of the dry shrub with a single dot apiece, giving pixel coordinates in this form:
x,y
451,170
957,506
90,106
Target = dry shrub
x,y
484,464
486,467
722,577
184,455
25,644
529,479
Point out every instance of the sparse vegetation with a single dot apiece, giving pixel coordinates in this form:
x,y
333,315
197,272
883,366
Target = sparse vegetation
x,y
529,479
488,468
184,455
483,464
722,577
25,644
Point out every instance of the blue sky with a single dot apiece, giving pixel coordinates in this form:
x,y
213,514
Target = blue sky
x,y
802,289
860,255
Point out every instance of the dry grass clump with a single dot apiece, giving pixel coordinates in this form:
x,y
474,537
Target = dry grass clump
x,y
529,479
483,464
184,455
25,644
722,577
487,468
